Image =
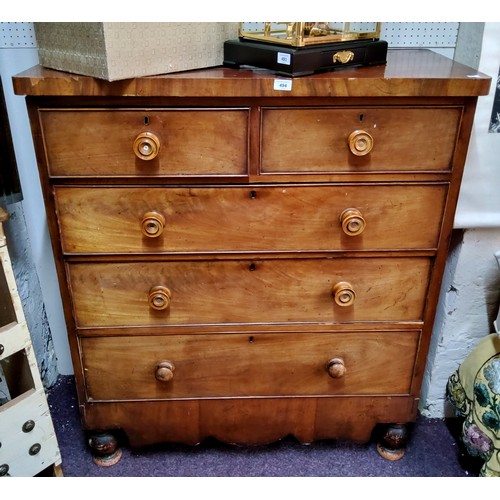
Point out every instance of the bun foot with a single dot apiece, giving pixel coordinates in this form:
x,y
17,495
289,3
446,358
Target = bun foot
x,y
105,450
392,444
390,454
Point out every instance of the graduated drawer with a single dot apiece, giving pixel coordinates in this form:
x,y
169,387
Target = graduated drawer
x,y
250,218
245,365
119,142
248,291
358,139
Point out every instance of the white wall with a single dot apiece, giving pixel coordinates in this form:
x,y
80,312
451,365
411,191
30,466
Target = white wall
x,y
468,305
13,61
479,201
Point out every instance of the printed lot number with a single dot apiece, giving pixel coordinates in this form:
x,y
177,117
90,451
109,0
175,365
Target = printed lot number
x,y
283,85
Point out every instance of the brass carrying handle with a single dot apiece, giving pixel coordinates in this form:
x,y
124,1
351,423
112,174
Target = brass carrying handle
x,y
344,294
164,371
153,224
159,298
352,222
146,146
336,368
360,142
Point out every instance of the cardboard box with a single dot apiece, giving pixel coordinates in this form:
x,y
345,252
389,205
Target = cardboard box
x,y
115,51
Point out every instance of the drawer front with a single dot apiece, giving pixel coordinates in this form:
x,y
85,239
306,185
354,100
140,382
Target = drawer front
x,y
25,424
251,218
245,291
27,436
184,142
242,365
358,139
13,337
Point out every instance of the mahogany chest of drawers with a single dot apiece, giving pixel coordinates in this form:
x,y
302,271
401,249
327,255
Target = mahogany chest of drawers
x,y
248,263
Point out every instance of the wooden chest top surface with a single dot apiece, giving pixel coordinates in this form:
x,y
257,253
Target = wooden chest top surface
x,y
408,72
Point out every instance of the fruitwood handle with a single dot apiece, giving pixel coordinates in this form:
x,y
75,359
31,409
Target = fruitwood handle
x,y
159,298
343,294
164,371
353,223
360,142
336,368
146,146
153,224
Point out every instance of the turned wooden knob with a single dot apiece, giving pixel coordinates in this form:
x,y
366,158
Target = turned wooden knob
x,y
159,297
152,224
336,368
360,142
164,371
146,146
343,294
352,222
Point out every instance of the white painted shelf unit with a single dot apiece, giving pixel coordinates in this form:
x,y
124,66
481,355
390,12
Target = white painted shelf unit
x,y
28,443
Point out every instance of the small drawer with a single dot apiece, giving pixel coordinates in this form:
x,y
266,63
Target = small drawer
x,y
31,459
28,442
13,337
249,291
246,365
25,424
329,140
174,142
251,218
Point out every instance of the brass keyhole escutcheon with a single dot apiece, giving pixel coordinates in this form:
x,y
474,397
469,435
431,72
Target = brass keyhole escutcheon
x,y
343,56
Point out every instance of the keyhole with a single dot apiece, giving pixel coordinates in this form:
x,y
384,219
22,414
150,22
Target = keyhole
x,y
361,117
146,120
251,267
250,339
253,194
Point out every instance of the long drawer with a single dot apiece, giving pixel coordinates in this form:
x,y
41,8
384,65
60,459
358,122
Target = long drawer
x,y
250,218
175,142
358,139
242,365
248,291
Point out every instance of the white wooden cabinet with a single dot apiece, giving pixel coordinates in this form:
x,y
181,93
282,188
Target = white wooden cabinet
x,y
28,443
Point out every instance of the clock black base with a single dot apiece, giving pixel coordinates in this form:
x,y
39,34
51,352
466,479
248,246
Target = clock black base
x,y
300,61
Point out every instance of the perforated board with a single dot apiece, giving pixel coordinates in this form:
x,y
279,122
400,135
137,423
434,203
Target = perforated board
x,y
17,35
431,35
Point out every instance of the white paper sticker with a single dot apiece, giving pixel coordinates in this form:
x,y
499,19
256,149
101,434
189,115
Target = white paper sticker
x,y
284,58
283,85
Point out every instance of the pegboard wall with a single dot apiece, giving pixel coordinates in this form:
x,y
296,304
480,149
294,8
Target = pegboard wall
x,y
430,35
17,35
